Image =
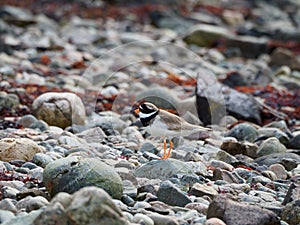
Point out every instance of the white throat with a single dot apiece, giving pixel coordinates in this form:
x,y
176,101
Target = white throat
x,y
144,115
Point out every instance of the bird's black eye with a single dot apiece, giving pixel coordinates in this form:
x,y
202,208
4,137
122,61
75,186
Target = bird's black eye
x,y
145,108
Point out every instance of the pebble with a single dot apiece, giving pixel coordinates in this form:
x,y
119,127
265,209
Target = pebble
x,y
67,105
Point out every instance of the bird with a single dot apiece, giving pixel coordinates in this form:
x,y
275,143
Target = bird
x,y
166,125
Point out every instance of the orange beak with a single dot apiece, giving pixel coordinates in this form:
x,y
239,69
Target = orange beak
x,y
137,111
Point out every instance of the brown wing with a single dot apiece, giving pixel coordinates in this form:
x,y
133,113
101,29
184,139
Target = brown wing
x,y
174,122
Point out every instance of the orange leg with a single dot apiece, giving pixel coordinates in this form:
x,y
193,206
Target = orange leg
x,y
165,156
171,146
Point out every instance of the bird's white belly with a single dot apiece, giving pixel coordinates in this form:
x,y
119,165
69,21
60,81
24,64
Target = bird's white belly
x,y
160,129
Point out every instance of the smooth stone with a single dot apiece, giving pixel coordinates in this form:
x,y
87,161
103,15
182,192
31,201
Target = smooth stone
x,y
294,142
267,132
24,218
288,160
91,135
89,205
8,101
235,148
21,149
8,205
72,173
148,146
291,212
214,221
27,120
221,165
225,157
41,159
270,146
233,213
200,190
172,195
59,109
142,219
162,220
164,169
205,35
243,132
279,170
6,216
9,192
198,206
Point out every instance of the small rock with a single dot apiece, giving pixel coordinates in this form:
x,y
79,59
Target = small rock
x,y
205,35
288,160
95,134
21,148
291,212
284,57
233,213
89,205
214,221
6,216
198,206
200,190
279,170
41,159
235,148
243,132
163,169
162,220
142,219
27,120
270,146
8,205
72,173
170,194
294,142
59,109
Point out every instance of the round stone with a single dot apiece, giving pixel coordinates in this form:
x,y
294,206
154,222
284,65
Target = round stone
x,y
74,172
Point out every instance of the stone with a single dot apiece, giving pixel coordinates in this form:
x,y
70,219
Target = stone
x,y
243,132
162,220
279,171
91,135
291,212
233,213
148,146
235,148
214,221
200,190
17,16
142,219
172,195
284,57
249,46
205,35
6,216
59,109
294,143
41,159
89,205
215,100
164,169
72,173
35,203
18,148
8,101
221,164
270,146
27,120
225,157
288,160
200,207
267,132
8,205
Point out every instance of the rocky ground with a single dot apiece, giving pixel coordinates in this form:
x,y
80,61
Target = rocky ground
x,y
73,152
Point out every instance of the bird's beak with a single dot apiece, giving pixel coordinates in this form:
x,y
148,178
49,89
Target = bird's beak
x,y
137,111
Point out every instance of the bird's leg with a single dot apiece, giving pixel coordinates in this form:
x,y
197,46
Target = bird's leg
x,y
165,151
170,149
